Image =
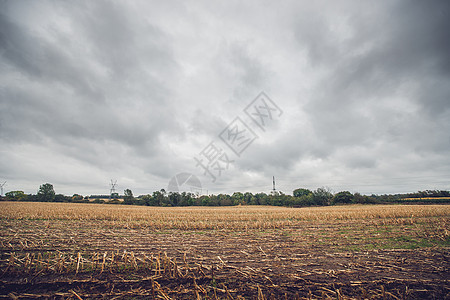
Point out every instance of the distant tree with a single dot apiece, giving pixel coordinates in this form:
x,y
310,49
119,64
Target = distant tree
x,y
343,197
213,200
304,200
174,198
146,200
128,197
427,194
301,192
204,200
276,198
261,198
183,199
444,194
158,199
237,198
46,193
77,197
61,198
32,198
189,199
322,196
248,198
362,199
290,200
15,196
224,200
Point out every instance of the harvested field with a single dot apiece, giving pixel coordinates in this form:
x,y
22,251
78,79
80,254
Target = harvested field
x,y
88,251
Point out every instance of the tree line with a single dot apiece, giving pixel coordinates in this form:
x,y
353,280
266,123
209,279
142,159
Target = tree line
x,y
301,197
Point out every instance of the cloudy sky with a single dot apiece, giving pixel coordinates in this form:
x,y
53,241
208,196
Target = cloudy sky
x,y
137,90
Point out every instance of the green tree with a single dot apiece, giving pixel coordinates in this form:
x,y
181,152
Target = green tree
x,y
224,200
301,192
237,198
77,197
204,200
248,198
175,198
363,199
304,200
343,197
128,197
62,198
15,196
46,193
158,199
147,200
188,199
213,200
276,198
261,199
322,196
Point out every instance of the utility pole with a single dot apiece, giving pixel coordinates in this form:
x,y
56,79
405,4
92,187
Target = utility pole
x,y
113,189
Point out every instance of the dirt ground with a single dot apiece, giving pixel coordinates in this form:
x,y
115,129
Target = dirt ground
x,y
62,259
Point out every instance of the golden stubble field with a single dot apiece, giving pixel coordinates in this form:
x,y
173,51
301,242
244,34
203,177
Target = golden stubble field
x,y
62,250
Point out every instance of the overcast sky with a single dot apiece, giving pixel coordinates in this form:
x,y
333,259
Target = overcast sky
x,y
136,91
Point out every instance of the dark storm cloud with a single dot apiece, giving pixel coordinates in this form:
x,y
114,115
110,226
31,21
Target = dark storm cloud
x,y
393,51
41,60
87,103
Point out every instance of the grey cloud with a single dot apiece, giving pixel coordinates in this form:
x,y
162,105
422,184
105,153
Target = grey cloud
x,y
134,90
251,72
40,60
88,108
403,48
